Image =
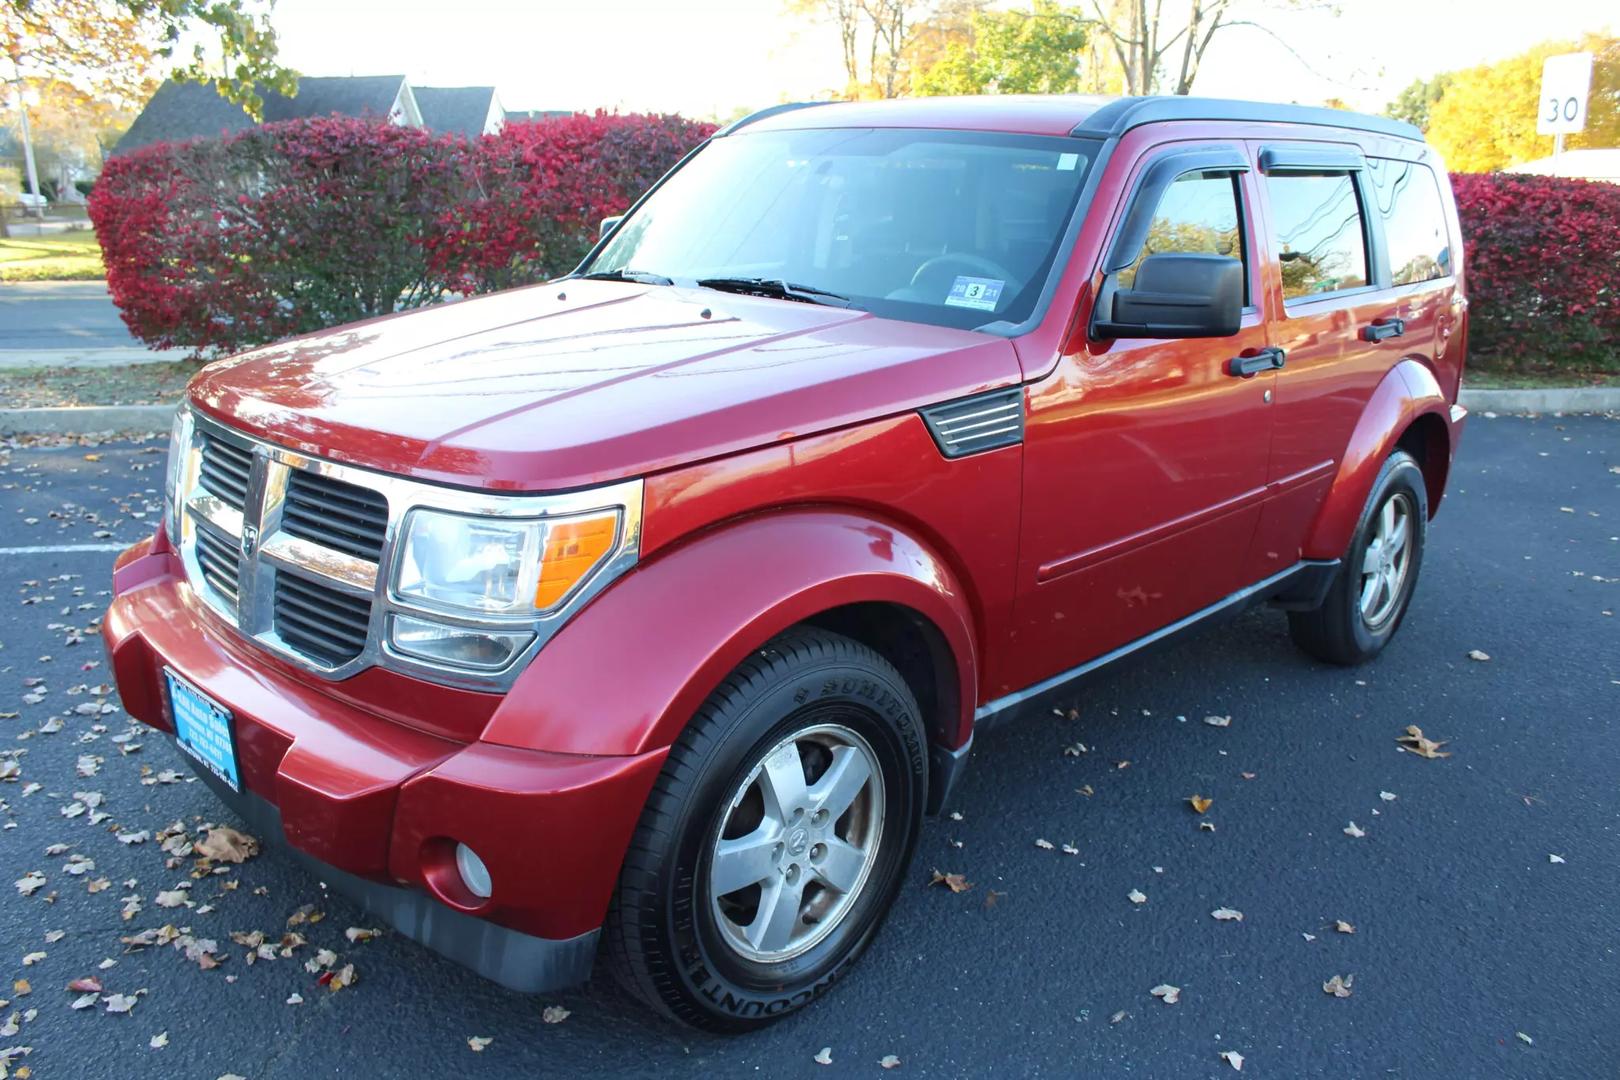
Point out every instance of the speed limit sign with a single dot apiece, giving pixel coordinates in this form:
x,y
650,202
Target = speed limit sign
x,y
1565,81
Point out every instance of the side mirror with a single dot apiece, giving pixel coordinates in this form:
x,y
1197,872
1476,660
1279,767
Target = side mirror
x,y
1173,296
608,225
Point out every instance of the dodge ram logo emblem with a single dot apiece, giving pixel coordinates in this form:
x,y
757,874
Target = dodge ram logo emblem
x,y
250,540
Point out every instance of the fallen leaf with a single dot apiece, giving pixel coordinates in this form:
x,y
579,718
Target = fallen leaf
x,y
1354,830
1136,896
120,1003
1207,826
1086,791
33,958
295,999
1226,914
1199,803
1522,1037
1166,993
1387,796
1044,845
30,882
1555,858
1069,849
1338,986
87,985
225,844
360,933
957,883
889,1061
1218,721
1343,927
1415,742
476,1043
1476,654
171,898
554,1014
20,988
85,1001
1233,1058
336,979
159,1041
823,1056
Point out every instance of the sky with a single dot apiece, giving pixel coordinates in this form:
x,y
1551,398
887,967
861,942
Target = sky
x,y
707,58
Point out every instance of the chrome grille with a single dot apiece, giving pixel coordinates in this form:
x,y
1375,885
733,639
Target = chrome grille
x,y
352,519
320,621
294,552
217,556
226,469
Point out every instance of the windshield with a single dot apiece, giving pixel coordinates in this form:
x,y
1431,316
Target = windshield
x,y
950,228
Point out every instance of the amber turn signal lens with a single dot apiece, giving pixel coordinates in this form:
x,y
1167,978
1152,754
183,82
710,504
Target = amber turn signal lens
x,y
573,548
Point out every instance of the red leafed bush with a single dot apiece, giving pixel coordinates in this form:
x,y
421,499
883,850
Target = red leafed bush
x,y
220,245
543,189
1543,262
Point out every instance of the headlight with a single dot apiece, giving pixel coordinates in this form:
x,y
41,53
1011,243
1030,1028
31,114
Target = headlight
x,y
500,566
179,444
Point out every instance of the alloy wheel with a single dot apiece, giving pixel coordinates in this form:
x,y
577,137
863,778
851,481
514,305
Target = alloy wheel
x,y
796,843
1386,561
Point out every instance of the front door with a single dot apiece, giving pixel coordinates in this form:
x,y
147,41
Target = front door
x,y
1144,460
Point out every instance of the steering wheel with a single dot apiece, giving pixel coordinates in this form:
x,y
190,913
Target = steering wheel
x,y
977,263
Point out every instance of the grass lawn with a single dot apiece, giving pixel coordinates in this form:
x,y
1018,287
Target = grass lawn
x,y
69,256
132,384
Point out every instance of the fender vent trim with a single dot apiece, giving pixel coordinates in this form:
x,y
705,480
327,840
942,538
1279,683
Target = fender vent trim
x,y
974,424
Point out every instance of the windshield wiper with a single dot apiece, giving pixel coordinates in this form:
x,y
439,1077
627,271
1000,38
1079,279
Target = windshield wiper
x,y
777,288
644,277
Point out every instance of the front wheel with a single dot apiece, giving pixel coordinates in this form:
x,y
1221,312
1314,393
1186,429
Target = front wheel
x,y
776,837
1370,595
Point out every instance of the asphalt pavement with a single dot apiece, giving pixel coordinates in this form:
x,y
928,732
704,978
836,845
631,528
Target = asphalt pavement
x,y
1482,890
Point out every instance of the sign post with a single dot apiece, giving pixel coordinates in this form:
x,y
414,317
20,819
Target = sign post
x,y
1566,80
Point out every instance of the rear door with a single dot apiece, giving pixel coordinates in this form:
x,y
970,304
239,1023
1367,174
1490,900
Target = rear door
x,y
1325,279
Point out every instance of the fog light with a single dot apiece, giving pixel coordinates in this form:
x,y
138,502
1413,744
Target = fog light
x,y
457,645
474,874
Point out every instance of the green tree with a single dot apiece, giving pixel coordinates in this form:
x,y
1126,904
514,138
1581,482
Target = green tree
x,y
1486,119
1012,52
1414,103
114,48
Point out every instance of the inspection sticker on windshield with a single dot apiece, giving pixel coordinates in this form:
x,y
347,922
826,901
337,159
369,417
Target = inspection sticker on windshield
x,y
975,292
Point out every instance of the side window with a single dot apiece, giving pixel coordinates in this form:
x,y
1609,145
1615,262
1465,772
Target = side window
x,y
1414,221
1320,234
1198,214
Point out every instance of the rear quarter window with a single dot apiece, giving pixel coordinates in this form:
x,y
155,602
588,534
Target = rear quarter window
x,y
1408,198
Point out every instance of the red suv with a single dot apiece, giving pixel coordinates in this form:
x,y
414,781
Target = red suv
x,y
653,607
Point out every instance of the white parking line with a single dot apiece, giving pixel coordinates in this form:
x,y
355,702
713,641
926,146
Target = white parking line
x,y
61,549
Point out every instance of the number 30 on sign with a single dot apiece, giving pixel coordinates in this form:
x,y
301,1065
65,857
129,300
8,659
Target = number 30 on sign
x,y
1565,81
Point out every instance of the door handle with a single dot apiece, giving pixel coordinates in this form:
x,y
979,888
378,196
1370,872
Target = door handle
x,y
1253,361
1380,329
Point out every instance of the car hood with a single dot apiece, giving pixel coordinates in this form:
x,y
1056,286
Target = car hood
x,y
582,382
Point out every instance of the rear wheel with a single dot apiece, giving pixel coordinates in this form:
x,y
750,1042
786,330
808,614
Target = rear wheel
x,y
776,837
1370,595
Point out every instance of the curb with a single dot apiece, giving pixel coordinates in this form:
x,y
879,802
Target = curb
x,y
1573,399
86,419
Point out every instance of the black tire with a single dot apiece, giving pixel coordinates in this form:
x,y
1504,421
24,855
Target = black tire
x,y
664,939
1338,632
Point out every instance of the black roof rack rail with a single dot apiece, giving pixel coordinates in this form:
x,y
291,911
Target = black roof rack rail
x,y
1122,114
762,114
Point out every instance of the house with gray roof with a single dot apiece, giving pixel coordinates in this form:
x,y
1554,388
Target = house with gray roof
x,y
189,110
465,110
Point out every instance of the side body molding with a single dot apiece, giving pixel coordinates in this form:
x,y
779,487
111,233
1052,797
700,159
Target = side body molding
x,y
1409,391
628,672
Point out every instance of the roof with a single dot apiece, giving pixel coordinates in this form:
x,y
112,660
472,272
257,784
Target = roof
x,y
1590,163
459,109
1058,114
520,116
190,110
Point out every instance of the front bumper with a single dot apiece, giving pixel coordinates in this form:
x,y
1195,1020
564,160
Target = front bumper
x,y
378,804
